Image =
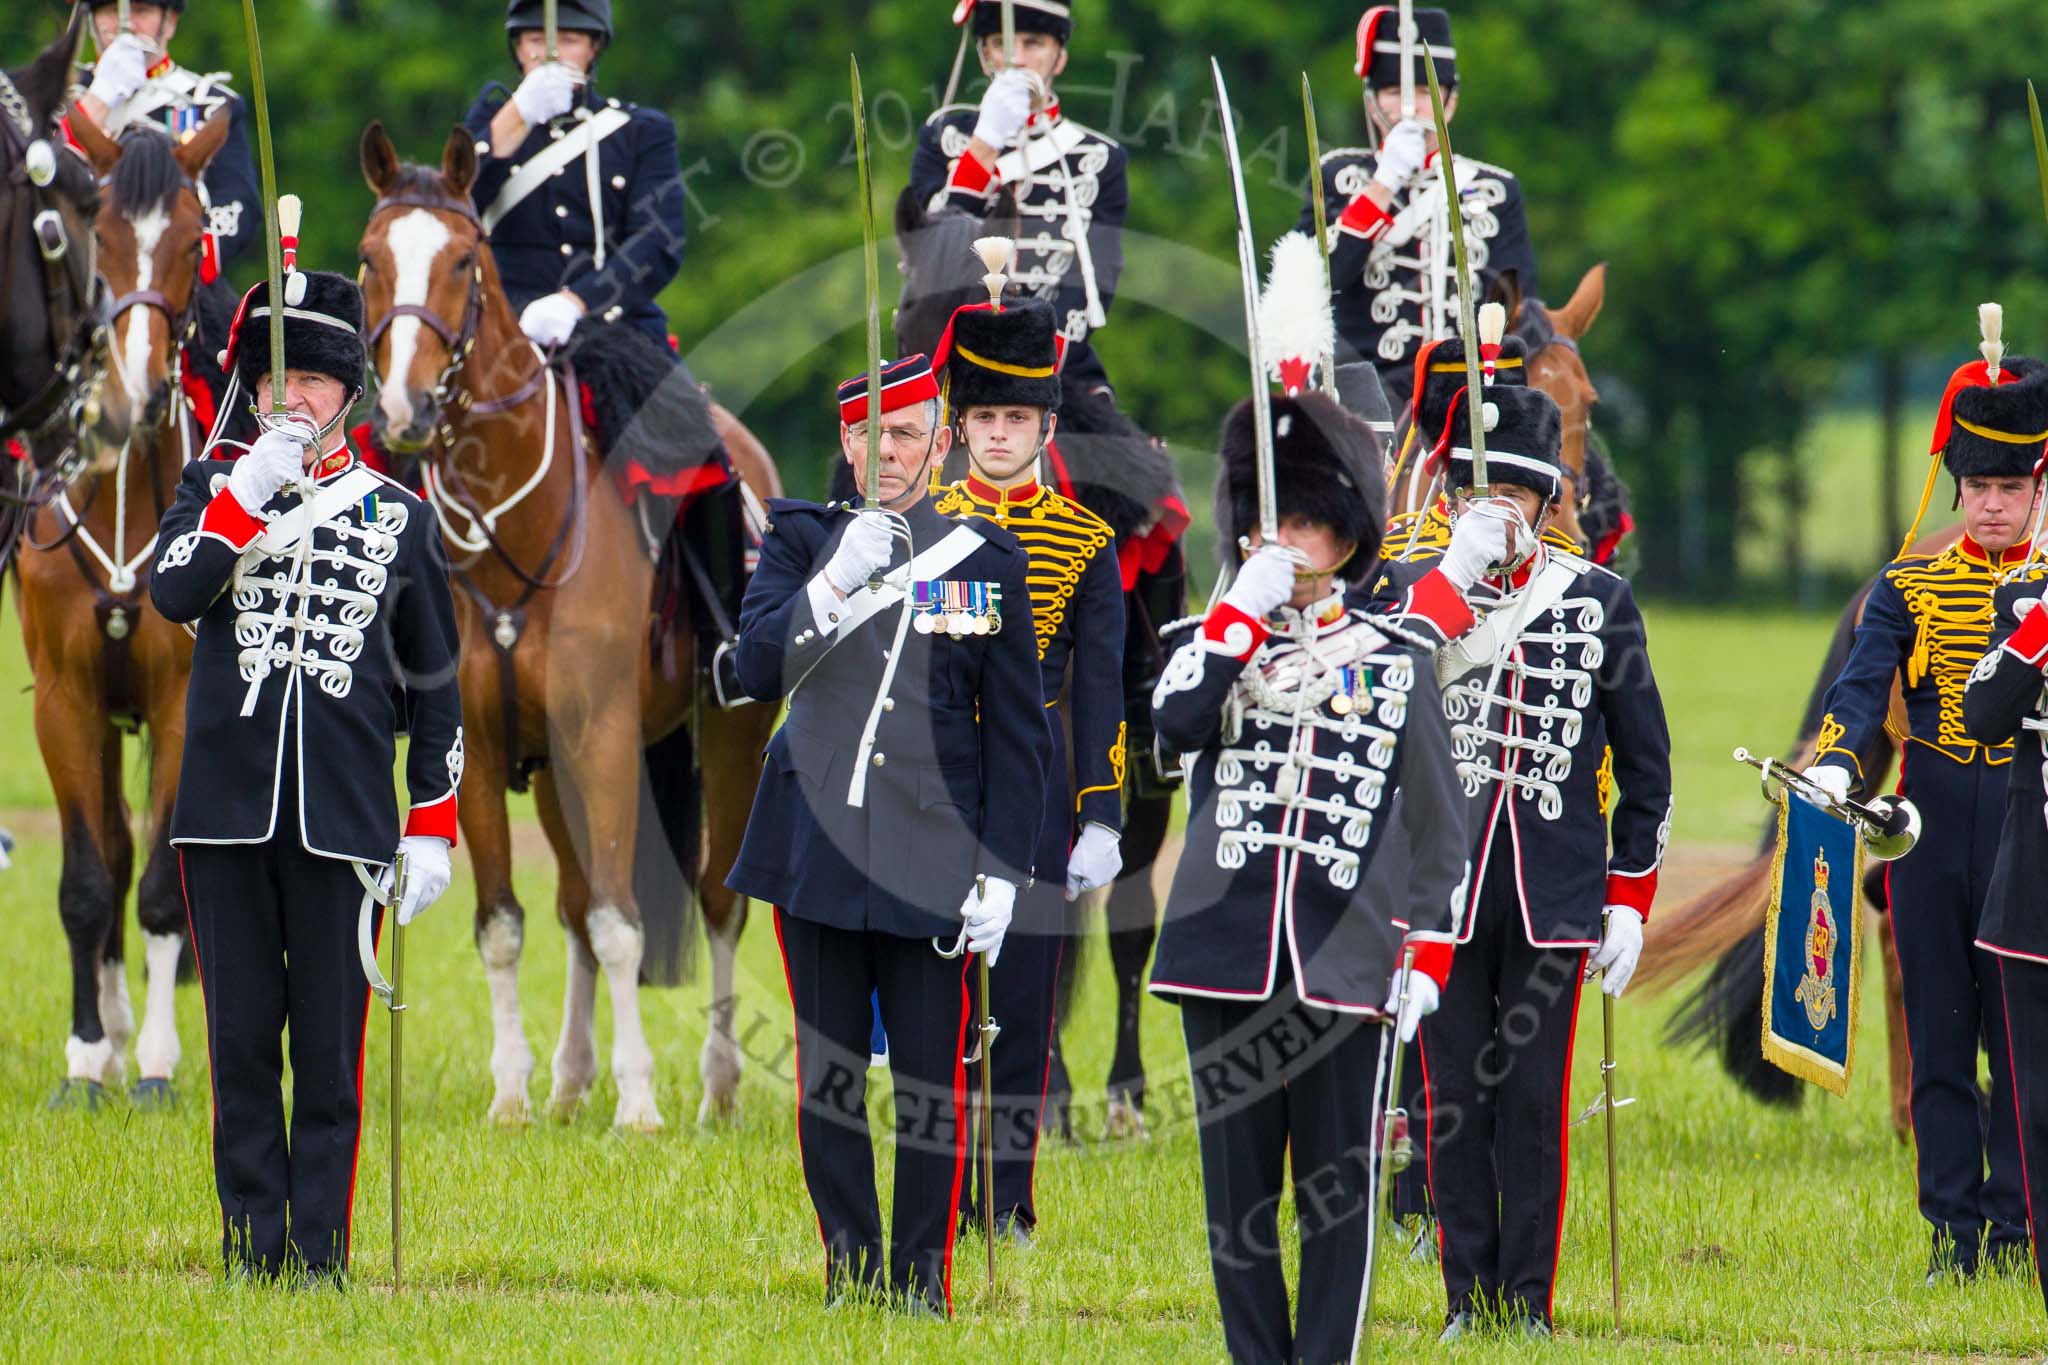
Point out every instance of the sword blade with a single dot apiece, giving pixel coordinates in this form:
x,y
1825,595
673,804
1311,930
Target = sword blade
x,y
873,490
1383,1173
1407,38
1613,1184
550,11
1248,273
1466,327
2040,144
266,166
1315,180
397,1103
988,1140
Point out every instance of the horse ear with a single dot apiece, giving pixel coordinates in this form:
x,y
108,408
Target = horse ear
x,y
1505,289
46,79
910,216
99,149
193,154
1576,318
458,162
379,158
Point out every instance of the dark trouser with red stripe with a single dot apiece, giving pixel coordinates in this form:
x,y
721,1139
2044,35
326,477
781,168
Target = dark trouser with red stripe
x,y
274,931
833,975
1274,1078
2026,1022
1021,987
1499,1057
1967,1162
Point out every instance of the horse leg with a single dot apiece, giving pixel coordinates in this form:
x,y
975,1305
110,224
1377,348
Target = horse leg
x,y
1132,921
72,733
575,1064
730,743
500,921
117,1013
160,907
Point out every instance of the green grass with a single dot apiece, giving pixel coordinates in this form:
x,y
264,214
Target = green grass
x,y
1746,1232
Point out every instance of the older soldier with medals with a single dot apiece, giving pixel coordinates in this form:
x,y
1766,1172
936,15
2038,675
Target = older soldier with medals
x,y
1926,624
1000,377
902,796
324,622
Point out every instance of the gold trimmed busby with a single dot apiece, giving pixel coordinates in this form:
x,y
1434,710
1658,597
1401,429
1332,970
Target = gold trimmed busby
x,y
1327,469
991,357
1997,430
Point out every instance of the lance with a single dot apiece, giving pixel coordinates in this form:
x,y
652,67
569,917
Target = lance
x,y
1466,328
266,164
1315,180
1383,1149
1248,272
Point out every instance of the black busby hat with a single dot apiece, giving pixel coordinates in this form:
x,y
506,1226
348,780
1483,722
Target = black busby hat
x,y
1363,396
323,331
1440,380
588,16
991,357
1524,441
1998,430
1030,16
1327,469
1379,47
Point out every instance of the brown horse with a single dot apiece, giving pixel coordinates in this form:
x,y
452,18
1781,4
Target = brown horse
x,y
103,660
554,588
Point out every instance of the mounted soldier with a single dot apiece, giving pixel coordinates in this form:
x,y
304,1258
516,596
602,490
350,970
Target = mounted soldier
x,y
136,83
1927,623
1391,257
1000,378
324,622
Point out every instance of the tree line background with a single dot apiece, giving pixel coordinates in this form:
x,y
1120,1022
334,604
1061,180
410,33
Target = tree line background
x,y
1800,203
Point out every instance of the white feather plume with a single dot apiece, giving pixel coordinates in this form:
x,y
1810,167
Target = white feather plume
x,y
1295,321
289,211
1493,323
997,254
1991,326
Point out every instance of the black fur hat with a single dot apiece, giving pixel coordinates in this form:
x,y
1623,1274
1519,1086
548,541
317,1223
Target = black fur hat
x,y
588,16
1998,431
1030,16
1327,469
323,332
1379,48
1524,441
1440,377
989,358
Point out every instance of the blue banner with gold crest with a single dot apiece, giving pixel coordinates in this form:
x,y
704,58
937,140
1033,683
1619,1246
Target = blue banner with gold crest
x,y
1811,940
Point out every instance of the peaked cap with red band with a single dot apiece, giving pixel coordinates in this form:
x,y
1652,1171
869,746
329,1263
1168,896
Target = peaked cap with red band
x,y
905,382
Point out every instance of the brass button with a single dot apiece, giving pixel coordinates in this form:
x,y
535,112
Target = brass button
x,y
879,758
618,182
565,248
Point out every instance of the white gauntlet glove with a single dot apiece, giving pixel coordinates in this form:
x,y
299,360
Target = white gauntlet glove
x,y
1483,537
121,70
426,873
1095,861
1836,780
549,319
1619,948
1006,108
1265,582
1422,1000
1402,155
547,92
862,552
276,459
987,912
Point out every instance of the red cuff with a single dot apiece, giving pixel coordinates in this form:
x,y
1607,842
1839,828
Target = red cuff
x,y
1432,956
436,818
1435,599
1363,218
224,517
1226,630
1634,890
970,176
2030,641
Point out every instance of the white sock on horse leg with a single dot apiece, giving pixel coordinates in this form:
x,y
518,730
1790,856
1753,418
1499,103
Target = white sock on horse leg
x,y
618,945
500,944
156,1049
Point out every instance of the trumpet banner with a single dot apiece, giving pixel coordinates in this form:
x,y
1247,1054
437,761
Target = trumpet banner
x,y
1812,943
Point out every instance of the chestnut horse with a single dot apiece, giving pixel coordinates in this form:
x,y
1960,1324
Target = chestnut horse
x,y
554,587
102,658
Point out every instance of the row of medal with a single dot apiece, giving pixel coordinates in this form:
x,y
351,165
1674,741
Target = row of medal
x,y
958,609
1354,690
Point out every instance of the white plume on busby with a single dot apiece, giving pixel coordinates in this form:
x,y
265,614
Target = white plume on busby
x,y
997,255
1297,331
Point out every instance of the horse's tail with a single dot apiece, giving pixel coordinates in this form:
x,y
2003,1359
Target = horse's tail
x,y
1726,1008
665,869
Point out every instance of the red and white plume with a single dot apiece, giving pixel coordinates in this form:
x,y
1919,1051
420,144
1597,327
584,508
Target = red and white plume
x,y
1296,329
288,214
1493,325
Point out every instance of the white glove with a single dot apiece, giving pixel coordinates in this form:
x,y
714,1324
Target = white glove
x,y
549,319
1095,861
1402,155
1422,1000
987,912
121,70
1006,108
2021,606
276,459
426,874
1832,778
547,92
1265,581
1619,949
1484,536
862,552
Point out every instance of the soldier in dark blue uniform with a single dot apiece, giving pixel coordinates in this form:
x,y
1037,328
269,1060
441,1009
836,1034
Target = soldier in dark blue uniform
x,y
1000,378
136,84
1391,258
1925,625
902,796
324,623
2006,701
1068,181
1559,735
1325,841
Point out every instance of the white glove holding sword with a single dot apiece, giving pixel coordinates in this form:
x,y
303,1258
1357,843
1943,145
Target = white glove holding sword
x,y
987,911
427,873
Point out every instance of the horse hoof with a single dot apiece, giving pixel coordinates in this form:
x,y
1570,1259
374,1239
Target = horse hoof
x,y
1124,1122
564,1108
718,1111
153,1092
79,1093
510,1111
640,1116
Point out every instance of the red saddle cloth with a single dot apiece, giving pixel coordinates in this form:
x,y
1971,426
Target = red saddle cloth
x,y
1134,554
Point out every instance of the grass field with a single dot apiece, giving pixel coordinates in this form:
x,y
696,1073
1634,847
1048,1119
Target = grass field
x,y
1747,1233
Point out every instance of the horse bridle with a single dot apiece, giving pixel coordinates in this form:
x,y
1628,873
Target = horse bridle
x,y
459,341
